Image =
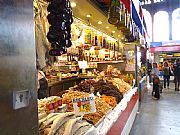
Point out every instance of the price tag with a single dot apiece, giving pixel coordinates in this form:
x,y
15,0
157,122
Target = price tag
x,y
59,74
82,64
84,105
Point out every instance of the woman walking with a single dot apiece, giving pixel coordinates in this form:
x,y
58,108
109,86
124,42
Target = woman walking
x,y
156,81
166,74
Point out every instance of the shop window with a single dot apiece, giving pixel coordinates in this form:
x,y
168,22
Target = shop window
x,y
175,24
161,26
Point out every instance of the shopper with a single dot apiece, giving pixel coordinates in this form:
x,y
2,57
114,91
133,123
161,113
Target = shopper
x,y
156,81
166,74
149,68
177,74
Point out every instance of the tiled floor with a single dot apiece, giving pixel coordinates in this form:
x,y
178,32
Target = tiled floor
x,y
159,117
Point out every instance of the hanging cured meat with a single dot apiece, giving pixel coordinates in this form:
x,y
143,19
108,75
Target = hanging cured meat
x,y
60,19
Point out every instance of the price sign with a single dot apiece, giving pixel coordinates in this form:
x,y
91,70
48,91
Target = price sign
x,y
82,64
84,105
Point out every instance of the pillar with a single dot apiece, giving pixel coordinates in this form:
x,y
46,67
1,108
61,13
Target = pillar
x,y
17,69
152,15
170,25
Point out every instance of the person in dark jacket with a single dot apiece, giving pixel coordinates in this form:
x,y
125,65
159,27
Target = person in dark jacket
x,y
156,81
149,69
166,74
42,83
177,74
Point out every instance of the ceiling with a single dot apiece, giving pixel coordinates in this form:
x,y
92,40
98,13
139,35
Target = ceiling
x,y
84,7
152,1
103,5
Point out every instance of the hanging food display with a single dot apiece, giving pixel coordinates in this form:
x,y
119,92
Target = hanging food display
x,y
60,19
118,15
113,15
122,21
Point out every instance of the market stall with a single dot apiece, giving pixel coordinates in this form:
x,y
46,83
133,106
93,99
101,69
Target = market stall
x,y
111,101
92,86
82,58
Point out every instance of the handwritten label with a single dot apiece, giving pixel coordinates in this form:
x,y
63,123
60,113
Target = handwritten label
x,y
84,105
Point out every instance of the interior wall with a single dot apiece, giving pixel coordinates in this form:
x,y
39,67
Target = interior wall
x,y
17,67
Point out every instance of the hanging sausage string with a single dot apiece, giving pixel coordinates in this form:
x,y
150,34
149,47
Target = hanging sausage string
x,y
60,19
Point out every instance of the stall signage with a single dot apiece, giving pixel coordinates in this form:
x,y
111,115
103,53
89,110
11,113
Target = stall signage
x,y
177,55
88,36
84,105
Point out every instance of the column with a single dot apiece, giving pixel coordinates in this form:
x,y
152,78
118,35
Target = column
x,y
170,25
17,69
152,15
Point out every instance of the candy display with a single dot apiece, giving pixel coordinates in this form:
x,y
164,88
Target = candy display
x,y
70,95
49,104
110,100
86,86
82,112
101,106
104,87
108,93
108,89
101,109
121,85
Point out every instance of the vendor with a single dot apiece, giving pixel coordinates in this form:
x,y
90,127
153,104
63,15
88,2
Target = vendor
x,y
42,84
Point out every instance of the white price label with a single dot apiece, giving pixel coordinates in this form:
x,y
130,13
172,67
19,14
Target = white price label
x,y
84,105
83,64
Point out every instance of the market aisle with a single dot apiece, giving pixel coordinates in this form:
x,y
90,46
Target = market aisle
x,y
159,117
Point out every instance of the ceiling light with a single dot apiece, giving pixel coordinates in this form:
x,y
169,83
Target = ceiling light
x,y
73,4
119,35
107,27
99,22
88,15
113,31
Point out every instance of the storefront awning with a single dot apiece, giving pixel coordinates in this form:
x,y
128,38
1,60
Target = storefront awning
x,y
165,49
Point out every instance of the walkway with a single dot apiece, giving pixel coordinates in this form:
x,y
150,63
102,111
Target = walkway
x,y
159,117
